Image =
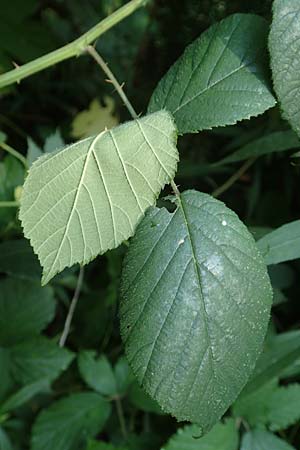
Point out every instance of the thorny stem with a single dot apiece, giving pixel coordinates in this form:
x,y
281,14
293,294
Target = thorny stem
x,y
75,48
14,153
83,44
73,304
93,52
236,176
99,60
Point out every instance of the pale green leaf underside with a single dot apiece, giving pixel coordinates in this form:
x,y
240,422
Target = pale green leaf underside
x,y
87,199
221,77
263,440
282,244
69,422
284,44
221,437
195,307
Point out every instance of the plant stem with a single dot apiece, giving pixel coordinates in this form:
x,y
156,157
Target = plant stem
x,y
14,153
71,311
72,49
93,52
121,417
175,188
236,176
99,60
9,204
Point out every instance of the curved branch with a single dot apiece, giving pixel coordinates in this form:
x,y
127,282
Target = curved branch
x,y
72,49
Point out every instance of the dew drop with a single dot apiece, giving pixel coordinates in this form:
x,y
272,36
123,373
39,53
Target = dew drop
x,y
224,223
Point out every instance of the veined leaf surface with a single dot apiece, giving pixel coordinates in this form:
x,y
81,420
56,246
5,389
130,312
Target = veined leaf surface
x,y
221,77
69,422
221,437
195,307
263,440
80,202
284,43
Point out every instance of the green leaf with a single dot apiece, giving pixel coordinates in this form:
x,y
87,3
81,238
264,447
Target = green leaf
x,y
97,372
221,77
123,374
24,394
195,307
25,309
284,45
69,422
5,443
284,407
38,358
17,259
282,244
271,405
254,408
221,437
82,201
263,440
280,352
271,143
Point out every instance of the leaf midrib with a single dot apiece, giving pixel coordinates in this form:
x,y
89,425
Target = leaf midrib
x,y
212,86
80,184
199,278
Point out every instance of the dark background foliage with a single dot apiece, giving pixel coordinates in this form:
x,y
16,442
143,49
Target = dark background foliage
x,y
139,51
